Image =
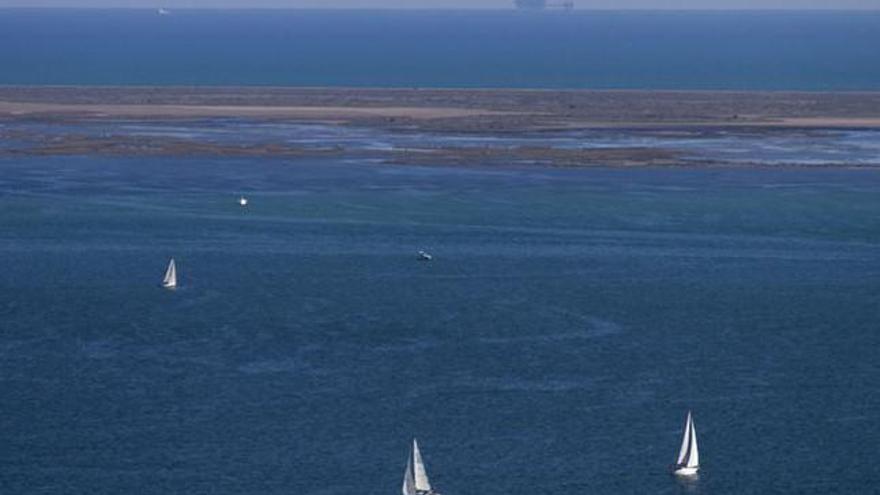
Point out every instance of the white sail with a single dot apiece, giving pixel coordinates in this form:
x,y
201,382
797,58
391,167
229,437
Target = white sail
x,y
420,476
685,442
170,280
693,459
689,455
409,484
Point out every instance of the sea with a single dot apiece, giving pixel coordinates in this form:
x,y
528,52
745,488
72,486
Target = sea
x,y
568,322
746,50
569,319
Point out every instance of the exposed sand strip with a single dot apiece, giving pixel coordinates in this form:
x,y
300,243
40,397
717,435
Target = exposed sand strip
x,y
13,109
502,112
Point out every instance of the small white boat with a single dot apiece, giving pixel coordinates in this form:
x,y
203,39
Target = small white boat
x,y
425,256
242,201
163,12
170,280
688,462
415,479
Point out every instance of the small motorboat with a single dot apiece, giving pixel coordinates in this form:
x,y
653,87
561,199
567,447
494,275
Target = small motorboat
x,y
242,201
425,256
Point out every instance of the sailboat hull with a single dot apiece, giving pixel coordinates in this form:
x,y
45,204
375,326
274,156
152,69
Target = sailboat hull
x,y
685,471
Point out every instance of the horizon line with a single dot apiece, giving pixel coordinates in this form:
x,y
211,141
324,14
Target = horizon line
x,y
452,9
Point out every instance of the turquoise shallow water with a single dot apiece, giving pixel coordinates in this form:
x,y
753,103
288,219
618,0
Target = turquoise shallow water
x,y
569,320
823,50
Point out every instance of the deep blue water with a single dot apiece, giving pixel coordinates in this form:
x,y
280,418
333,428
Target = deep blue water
x,y
569,320
584,49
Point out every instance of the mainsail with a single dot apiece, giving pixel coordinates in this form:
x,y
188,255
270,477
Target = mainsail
x,y
694,457
689,454
419,474
415,480
170,280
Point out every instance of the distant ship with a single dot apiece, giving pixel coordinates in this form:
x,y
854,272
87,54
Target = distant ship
x,y
425,256
170,280
163,12
543,4
242,201
415,479
688,462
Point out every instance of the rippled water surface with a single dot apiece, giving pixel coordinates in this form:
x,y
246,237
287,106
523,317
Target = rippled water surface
x,y
567,323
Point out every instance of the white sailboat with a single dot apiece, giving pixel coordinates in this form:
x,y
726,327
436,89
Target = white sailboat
x,y
688,462
242,201
415,479
170,280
